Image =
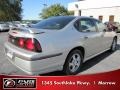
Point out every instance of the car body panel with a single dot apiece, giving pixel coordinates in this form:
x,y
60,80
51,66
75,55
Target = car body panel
x,y
56,45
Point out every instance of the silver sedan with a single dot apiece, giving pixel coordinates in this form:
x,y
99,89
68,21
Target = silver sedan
x,y
58,43
4,26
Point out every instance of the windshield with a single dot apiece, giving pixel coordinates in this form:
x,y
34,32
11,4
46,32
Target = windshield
x,y
54,23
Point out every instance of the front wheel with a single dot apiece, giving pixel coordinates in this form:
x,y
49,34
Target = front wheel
x,y
114,45
73,63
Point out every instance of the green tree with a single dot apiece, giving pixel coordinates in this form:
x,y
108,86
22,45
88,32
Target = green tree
x,y
10,11
54,10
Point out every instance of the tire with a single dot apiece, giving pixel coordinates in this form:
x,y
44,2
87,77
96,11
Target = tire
x,y
73,66
114,45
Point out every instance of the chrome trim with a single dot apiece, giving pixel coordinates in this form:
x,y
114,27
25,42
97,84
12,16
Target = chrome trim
x,y
38,58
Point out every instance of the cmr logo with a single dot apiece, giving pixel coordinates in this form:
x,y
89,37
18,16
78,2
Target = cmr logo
x,y
9,83
19,83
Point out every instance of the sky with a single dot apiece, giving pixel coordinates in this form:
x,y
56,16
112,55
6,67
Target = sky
x,y
32,8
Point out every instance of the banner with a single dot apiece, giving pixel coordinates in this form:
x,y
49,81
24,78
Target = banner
x,y
102,81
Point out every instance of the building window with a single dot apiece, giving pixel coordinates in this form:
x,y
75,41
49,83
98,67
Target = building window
x,y
111,18
100,18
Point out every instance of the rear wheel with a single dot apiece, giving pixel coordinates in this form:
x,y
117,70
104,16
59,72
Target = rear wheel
x,y
73,63
114,45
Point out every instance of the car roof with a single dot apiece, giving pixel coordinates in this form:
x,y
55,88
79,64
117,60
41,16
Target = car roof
x,y
76,17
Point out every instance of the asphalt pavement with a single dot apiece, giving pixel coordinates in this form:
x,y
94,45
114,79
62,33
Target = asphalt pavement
x,y
105,62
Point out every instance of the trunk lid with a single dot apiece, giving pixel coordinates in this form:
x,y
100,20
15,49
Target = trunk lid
x,y
31,30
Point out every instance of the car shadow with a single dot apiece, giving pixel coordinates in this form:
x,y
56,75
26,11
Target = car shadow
x,y
87,65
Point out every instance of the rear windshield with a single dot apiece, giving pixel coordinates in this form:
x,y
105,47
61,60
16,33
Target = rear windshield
x,y
54,23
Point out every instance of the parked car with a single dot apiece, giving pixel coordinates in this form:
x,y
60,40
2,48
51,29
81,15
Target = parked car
x,y
11,25
17,23
58,43
115,26
32,23
4,26
25,24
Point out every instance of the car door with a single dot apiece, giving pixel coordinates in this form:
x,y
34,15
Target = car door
x,y
106,35
91,37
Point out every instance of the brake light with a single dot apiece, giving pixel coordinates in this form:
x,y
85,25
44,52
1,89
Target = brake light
x,y
21,42
30,44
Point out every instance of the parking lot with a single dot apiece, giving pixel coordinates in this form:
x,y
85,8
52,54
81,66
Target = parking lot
x,y
102,63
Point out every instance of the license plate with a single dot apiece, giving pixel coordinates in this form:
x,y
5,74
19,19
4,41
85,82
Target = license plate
x,y
10,54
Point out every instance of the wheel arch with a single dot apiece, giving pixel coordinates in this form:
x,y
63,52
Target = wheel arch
x,y
78,48
81,49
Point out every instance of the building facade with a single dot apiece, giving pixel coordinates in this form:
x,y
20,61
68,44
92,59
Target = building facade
x,y
104,10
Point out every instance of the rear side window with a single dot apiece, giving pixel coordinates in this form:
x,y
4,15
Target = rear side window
x,y
100,25
85,25
54,23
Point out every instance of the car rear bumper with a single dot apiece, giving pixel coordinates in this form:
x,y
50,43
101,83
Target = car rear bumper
x,y
34,65
35,68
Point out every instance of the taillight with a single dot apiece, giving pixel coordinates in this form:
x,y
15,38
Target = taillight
x,y
21,42
38,46
30,44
